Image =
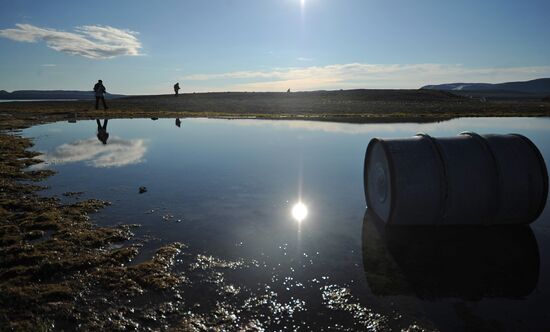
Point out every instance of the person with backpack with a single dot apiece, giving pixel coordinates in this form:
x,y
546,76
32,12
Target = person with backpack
x,y
99,90
177,88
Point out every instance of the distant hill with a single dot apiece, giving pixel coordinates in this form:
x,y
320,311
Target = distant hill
x,y
534,89
52,94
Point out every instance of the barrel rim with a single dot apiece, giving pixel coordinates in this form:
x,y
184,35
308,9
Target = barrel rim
x,y
443,176
544,171
391,169
498,177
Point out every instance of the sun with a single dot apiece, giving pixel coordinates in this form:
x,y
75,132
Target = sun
x,y
299,211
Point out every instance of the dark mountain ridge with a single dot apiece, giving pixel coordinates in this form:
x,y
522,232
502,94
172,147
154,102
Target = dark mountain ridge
x,y
533,89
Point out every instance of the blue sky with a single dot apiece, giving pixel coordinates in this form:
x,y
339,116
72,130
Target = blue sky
x,y
144,47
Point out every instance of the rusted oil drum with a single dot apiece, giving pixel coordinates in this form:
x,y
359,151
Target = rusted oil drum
x,y
469,179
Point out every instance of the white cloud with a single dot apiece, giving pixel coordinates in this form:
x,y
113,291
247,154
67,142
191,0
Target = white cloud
x,y
363,75
48,65
116,153
90,41
304,59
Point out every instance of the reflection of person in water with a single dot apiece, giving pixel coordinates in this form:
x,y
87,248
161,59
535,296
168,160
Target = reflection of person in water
x,y
178,122
102,134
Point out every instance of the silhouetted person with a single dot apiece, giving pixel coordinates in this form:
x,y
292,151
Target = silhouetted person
x,y
176,88
288,91
102,134
99,90
178,122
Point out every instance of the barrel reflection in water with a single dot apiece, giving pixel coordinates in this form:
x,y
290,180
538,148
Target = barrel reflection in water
x,y
439,262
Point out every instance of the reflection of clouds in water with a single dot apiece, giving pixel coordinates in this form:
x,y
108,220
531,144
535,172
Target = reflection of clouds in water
x,y
455,125
118,152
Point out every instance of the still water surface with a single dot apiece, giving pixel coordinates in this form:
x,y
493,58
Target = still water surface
x,y
227,188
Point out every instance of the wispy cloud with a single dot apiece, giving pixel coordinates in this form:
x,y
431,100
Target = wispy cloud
x,y
301,58
48,65
362,75
116,153
90,41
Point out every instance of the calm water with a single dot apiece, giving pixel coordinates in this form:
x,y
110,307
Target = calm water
x,y
227,187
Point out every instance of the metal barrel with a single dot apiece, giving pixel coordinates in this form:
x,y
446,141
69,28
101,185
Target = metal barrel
x,y
469,179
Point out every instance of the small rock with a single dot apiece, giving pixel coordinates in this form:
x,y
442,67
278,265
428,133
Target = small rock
x,y
142,189
72,193
33,235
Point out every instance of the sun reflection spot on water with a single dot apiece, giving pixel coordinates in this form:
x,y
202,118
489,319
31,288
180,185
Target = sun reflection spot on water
x,y
299,211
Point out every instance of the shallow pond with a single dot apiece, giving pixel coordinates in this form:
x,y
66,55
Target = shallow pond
x,y
227,189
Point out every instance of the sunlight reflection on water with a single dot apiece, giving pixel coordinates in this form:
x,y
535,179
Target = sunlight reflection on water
x,y
299,211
